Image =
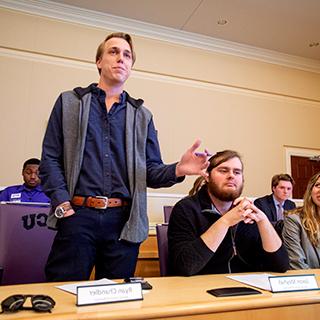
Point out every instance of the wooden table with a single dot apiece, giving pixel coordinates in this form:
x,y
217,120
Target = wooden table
x,y
178,298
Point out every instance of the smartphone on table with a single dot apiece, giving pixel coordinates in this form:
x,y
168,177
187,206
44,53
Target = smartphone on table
x,y
144,284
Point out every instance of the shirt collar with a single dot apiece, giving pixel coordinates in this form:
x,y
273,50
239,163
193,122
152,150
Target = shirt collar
x,y
213,210
207,206
99,92
37,188
276,202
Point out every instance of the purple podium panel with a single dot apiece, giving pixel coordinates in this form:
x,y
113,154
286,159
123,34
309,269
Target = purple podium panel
x,y
25,242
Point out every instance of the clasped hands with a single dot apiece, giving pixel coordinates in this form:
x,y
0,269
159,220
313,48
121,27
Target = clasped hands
x,y
244,210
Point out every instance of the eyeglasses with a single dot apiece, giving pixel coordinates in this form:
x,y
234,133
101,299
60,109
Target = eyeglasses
x,y
40,303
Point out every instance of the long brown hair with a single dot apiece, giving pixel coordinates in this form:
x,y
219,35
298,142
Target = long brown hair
x,y
198,183
215,160
309,213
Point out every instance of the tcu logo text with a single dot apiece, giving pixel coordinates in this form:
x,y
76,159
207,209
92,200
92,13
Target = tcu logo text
x,y
31,220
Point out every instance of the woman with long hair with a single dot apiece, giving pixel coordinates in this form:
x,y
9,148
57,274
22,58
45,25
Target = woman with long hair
x,y
301,230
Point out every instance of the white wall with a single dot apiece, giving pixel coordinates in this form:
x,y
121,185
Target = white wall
x,y
230,102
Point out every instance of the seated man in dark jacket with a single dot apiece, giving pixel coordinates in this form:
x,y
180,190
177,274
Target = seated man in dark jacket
x,y
215,231
273,205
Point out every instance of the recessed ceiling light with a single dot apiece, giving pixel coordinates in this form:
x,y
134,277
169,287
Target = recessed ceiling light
x,y
222,22
314,44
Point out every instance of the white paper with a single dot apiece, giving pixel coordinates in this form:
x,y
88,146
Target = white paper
x,y
72,287
260,281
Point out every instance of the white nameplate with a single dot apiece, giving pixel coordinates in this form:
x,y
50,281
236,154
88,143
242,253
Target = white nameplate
x,y
87,295
293,283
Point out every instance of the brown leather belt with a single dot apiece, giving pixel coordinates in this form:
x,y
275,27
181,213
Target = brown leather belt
x,y
98,202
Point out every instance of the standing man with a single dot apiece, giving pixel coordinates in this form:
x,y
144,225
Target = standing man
x,y
215,231
100,153
31,190
275,204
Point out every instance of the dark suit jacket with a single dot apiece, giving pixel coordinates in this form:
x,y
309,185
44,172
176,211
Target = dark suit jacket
x,y
266,204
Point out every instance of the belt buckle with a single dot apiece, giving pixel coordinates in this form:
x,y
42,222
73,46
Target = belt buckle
x,y
106,204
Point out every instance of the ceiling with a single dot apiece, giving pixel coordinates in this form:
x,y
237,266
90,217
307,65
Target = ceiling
x,y
286,26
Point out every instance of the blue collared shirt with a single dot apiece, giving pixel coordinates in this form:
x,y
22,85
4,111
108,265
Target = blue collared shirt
x,y
21,193
104,167
276,202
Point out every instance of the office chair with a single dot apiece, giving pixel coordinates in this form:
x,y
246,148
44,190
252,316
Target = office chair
x,y
167,212
162,239
1,272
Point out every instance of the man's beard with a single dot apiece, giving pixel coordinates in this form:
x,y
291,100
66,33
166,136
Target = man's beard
x,y
222,195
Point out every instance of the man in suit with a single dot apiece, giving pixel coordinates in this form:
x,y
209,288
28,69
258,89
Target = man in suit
x,y
275,204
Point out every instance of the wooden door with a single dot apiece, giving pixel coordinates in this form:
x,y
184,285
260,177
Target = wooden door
x,y
302,169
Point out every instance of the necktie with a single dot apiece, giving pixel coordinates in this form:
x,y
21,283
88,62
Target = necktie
x,y
279,212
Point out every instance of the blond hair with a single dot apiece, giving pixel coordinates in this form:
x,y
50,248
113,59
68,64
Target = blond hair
x,y
309,213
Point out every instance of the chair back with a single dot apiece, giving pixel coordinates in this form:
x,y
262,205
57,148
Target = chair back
x,y
25,243
1,272
162,239
167,212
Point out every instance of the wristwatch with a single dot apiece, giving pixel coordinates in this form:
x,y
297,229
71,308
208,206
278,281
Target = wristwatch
x,y
60,211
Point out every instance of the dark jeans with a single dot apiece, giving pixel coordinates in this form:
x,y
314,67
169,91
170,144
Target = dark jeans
x,y
90,238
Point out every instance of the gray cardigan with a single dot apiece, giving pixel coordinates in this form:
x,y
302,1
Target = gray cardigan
x,y
302,254
75,123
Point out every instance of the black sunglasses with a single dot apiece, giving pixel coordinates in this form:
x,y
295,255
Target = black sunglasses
x,y
40,303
